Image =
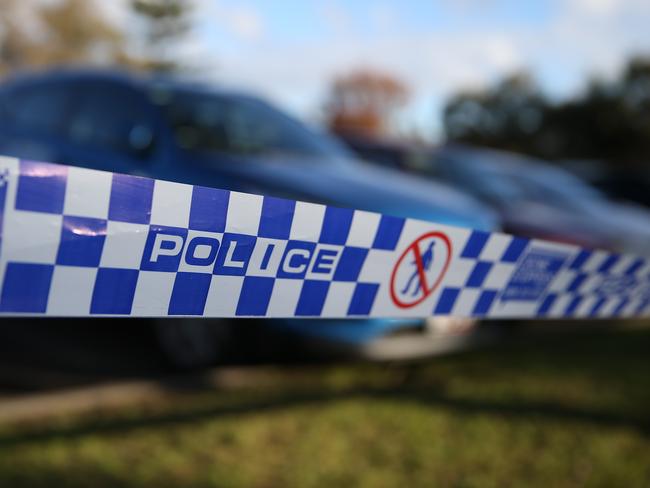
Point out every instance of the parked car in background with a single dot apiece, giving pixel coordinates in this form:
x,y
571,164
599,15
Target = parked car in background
x,y
619,182
195,134
533,198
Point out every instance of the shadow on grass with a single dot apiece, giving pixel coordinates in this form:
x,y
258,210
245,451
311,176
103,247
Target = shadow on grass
x,y
614,356
524,410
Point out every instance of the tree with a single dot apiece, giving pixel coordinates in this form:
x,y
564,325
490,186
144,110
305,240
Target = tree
x,y
64,32
504,116
609,122
364,102
166,21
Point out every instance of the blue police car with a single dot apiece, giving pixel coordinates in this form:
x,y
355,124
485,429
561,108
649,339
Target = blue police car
x,y
191,133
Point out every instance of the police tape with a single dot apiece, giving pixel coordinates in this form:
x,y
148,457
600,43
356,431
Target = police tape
x,y
80,242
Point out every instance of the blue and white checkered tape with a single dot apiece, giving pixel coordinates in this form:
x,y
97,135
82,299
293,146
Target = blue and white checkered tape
x,y
79,242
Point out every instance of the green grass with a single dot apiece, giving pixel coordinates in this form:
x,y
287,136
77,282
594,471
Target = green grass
x,y
561,412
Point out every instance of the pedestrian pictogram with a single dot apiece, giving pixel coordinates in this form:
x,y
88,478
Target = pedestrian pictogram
x,y
420,269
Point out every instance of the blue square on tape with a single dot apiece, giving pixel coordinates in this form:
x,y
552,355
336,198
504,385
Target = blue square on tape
x,y
580,259
114,290
577,281
163,249
130,199
312,298
234,254
514,250
255,295
277,217
447,300
388,233
209,209
475,244
350,264
82,241
635,266
189,293
336,225
484,302
546,304
609,263
573,306
41,187
296,259
26,287
363,298
478,274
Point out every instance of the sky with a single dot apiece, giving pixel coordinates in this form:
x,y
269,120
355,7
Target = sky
x,y
289,51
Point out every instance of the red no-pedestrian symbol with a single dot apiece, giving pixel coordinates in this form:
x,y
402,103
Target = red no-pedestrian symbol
x,y
420,269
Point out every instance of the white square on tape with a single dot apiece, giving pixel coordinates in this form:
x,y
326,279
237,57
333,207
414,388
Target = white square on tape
x,y
244,213
495,247
378,266
284,298
124,245
32,237
223,296
499,276
152,293
466,301
458,272
307,221
363,229
71,290
87,193
338,299
171,204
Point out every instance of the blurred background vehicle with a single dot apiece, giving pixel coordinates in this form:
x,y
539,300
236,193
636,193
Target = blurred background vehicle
x,y
194,134
619,183
533,198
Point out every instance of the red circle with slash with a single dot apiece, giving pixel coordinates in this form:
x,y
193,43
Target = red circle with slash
x,y
427,288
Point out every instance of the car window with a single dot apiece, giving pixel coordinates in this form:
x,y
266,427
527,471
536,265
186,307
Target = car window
x,y
40,108
239,125
114,117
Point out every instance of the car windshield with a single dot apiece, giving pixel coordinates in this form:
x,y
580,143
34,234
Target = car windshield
x,y
205,122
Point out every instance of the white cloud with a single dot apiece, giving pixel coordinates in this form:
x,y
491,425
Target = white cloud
x,y
244,21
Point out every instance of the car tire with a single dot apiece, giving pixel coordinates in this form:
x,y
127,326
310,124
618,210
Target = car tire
x,y
194,343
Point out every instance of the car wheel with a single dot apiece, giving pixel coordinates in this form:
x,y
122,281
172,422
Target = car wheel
x,y
194,343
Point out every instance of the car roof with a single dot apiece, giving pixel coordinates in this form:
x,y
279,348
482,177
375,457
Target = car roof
x,y
137,80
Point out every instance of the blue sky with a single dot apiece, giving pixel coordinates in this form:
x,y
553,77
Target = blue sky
x,y
290,50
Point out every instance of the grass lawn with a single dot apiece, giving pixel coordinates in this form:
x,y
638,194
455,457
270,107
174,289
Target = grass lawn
x,y
562,412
